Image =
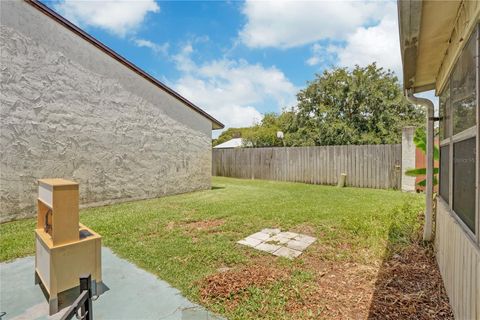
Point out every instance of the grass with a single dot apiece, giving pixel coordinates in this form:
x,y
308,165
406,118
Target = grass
x,y
185,238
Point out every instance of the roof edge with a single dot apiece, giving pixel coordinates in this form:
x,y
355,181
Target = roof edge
x,y
70,26
409,21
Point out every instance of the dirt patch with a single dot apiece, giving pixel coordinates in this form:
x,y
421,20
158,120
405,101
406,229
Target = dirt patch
x,y
204,224
200,225
305,229
409,286
232,284
170,226
339,291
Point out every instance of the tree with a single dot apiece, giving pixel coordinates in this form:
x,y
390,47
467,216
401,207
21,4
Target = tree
x,y
362,106
263,134
229,134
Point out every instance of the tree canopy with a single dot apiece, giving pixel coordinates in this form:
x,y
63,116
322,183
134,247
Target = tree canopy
x,y
340,106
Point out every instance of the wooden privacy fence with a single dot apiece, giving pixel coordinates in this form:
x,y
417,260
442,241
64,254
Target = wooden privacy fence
x,y
366,166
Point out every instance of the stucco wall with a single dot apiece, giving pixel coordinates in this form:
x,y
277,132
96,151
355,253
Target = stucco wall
x,y
68,110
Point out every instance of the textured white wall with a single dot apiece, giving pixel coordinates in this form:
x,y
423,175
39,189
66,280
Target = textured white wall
x,y
68,110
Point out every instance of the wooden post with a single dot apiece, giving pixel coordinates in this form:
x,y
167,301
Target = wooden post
x,y
342,179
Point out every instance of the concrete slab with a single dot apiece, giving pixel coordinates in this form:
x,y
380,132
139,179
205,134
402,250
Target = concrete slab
x,y
260,236
249,241
283,244
287,253
288,234
270,248
271,231
306,239
134,294
279,239
297,245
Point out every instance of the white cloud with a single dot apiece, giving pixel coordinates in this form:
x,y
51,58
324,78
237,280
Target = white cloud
x,y
378,43
155,47
286,24
119,17
231,90
342,33
322,55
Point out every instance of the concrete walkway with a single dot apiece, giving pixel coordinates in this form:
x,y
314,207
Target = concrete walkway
x,y
134,294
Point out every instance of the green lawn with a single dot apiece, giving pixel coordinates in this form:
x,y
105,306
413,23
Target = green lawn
x,y
185,238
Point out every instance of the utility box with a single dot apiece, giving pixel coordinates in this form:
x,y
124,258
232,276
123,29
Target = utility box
x,y
65,249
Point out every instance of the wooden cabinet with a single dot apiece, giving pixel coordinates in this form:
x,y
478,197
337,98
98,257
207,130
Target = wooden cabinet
x,y
65,249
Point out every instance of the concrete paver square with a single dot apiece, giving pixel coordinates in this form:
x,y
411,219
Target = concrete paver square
x,y
279,239
270,248
288,234
306,239
287,253
283,244
249,241
297,245
260,236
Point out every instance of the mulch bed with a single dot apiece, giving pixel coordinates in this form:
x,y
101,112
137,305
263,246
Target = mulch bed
x,y
409,286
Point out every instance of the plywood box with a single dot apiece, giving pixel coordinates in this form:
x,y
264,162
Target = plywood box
x,y
65,249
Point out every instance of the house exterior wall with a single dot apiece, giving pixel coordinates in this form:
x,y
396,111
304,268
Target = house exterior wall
x,y
69,110
467,19
458,258
458,245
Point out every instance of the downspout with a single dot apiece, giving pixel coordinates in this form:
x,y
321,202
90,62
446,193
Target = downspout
x,y
428,104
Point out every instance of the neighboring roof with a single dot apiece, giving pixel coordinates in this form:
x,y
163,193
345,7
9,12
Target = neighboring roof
x,y
67,24
425,31
233,143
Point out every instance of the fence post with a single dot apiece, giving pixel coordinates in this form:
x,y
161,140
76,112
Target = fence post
x,y
408,158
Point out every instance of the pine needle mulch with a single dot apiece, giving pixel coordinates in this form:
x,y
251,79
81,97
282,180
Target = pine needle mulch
x,y
409,286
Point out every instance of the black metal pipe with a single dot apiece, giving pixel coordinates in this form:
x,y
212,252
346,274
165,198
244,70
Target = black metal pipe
x,y
83,303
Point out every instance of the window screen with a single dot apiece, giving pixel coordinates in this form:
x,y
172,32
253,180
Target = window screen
x,y
445,113
463,88
444,177
464,181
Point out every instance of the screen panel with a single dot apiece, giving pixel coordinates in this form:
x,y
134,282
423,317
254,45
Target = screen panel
x,y
463,88
444,172
464,160
444,110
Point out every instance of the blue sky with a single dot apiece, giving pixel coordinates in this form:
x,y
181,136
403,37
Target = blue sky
x,y
239,60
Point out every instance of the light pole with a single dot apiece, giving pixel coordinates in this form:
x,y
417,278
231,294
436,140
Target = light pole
x,y
280,136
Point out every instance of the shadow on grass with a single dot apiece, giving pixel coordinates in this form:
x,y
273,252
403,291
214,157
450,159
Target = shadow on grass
x,y
409,284
216,188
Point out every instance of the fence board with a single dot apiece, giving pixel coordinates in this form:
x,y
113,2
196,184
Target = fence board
x,y
370,166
